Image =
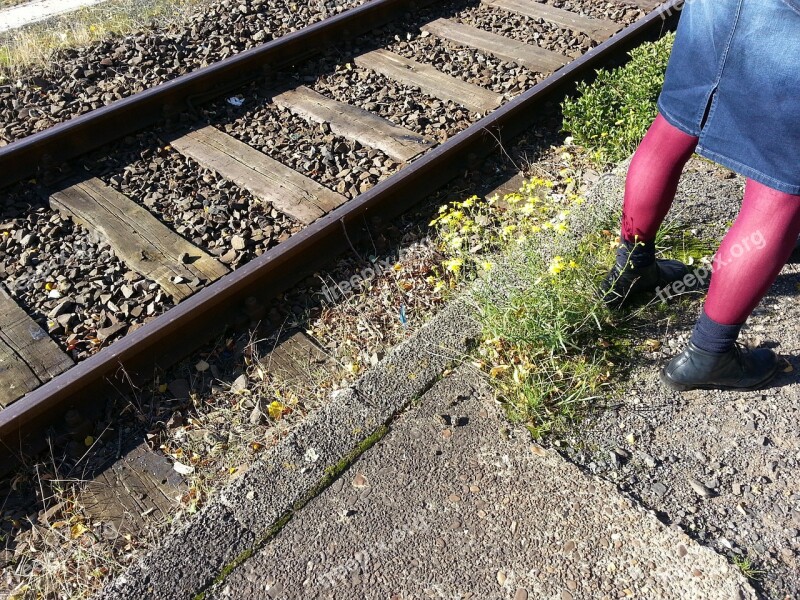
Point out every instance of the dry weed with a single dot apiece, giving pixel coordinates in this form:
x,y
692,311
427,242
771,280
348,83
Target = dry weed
x,y
33,45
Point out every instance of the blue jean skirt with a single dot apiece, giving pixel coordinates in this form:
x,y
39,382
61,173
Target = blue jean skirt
x,y
733,80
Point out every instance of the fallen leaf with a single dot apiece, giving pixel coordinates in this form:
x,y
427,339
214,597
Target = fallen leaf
x,y
182,468
275,409
652,345
538,450
499,369
77,530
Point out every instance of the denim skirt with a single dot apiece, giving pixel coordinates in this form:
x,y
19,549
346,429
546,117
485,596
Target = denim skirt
x,y
733,80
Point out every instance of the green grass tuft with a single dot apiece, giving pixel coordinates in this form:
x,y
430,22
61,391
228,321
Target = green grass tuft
x,y
748,568
550,345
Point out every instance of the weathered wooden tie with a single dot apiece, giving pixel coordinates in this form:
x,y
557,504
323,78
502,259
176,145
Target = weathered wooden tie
x,y
138,490
430,80
597,29
354,123
290,192
297,360
526,55
28,357
141,241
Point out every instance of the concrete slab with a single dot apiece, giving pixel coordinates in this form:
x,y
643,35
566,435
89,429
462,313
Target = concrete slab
x,y
454,504
190,558
39,10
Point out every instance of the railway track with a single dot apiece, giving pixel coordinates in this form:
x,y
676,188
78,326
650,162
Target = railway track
x,y
366,166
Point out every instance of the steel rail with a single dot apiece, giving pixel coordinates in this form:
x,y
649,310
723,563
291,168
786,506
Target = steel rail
x,y
52,147
176,333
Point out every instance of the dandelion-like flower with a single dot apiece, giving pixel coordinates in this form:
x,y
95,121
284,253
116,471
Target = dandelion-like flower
x,y
454,264
556,265
509,229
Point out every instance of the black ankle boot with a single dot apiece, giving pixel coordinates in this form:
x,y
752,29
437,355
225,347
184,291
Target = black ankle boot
x,y
625,280
740,368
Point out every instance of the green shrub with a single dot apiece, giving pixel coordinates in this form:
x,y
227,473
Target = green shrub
x,y
611,115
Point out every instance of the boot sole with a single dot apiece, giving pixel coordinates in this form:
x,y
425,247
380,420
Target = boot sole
x,y
685,387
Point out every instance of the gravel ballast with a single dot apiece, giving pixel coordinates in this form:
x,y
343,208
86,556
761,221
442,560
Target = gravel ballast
x,y
80,80
311,149
68,281
214,214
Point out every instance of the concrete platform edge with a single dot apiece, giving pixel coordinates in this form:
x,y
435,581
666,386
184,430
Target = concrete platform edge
x,y
245,514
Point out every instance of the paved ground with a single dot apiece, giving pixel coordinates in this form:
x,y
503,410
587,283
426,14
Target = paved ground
x,y
38,10
454,503
448,506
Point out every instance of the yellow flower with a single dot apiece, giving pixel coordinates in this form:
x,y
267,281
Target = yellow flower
x,y
560,227
556,265
487,265
573,264
454,264
456,243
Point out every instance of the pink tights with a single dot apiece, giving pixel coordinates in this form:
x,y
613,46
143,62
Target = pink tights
x,y
753,251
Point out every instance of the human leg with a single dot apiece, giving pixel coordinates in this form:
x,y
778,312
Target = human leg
x,y
748,261
653,178
650,189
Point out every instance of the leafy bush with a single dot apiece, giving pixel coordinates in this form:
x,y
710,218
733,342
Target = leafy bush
x,y
611,115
